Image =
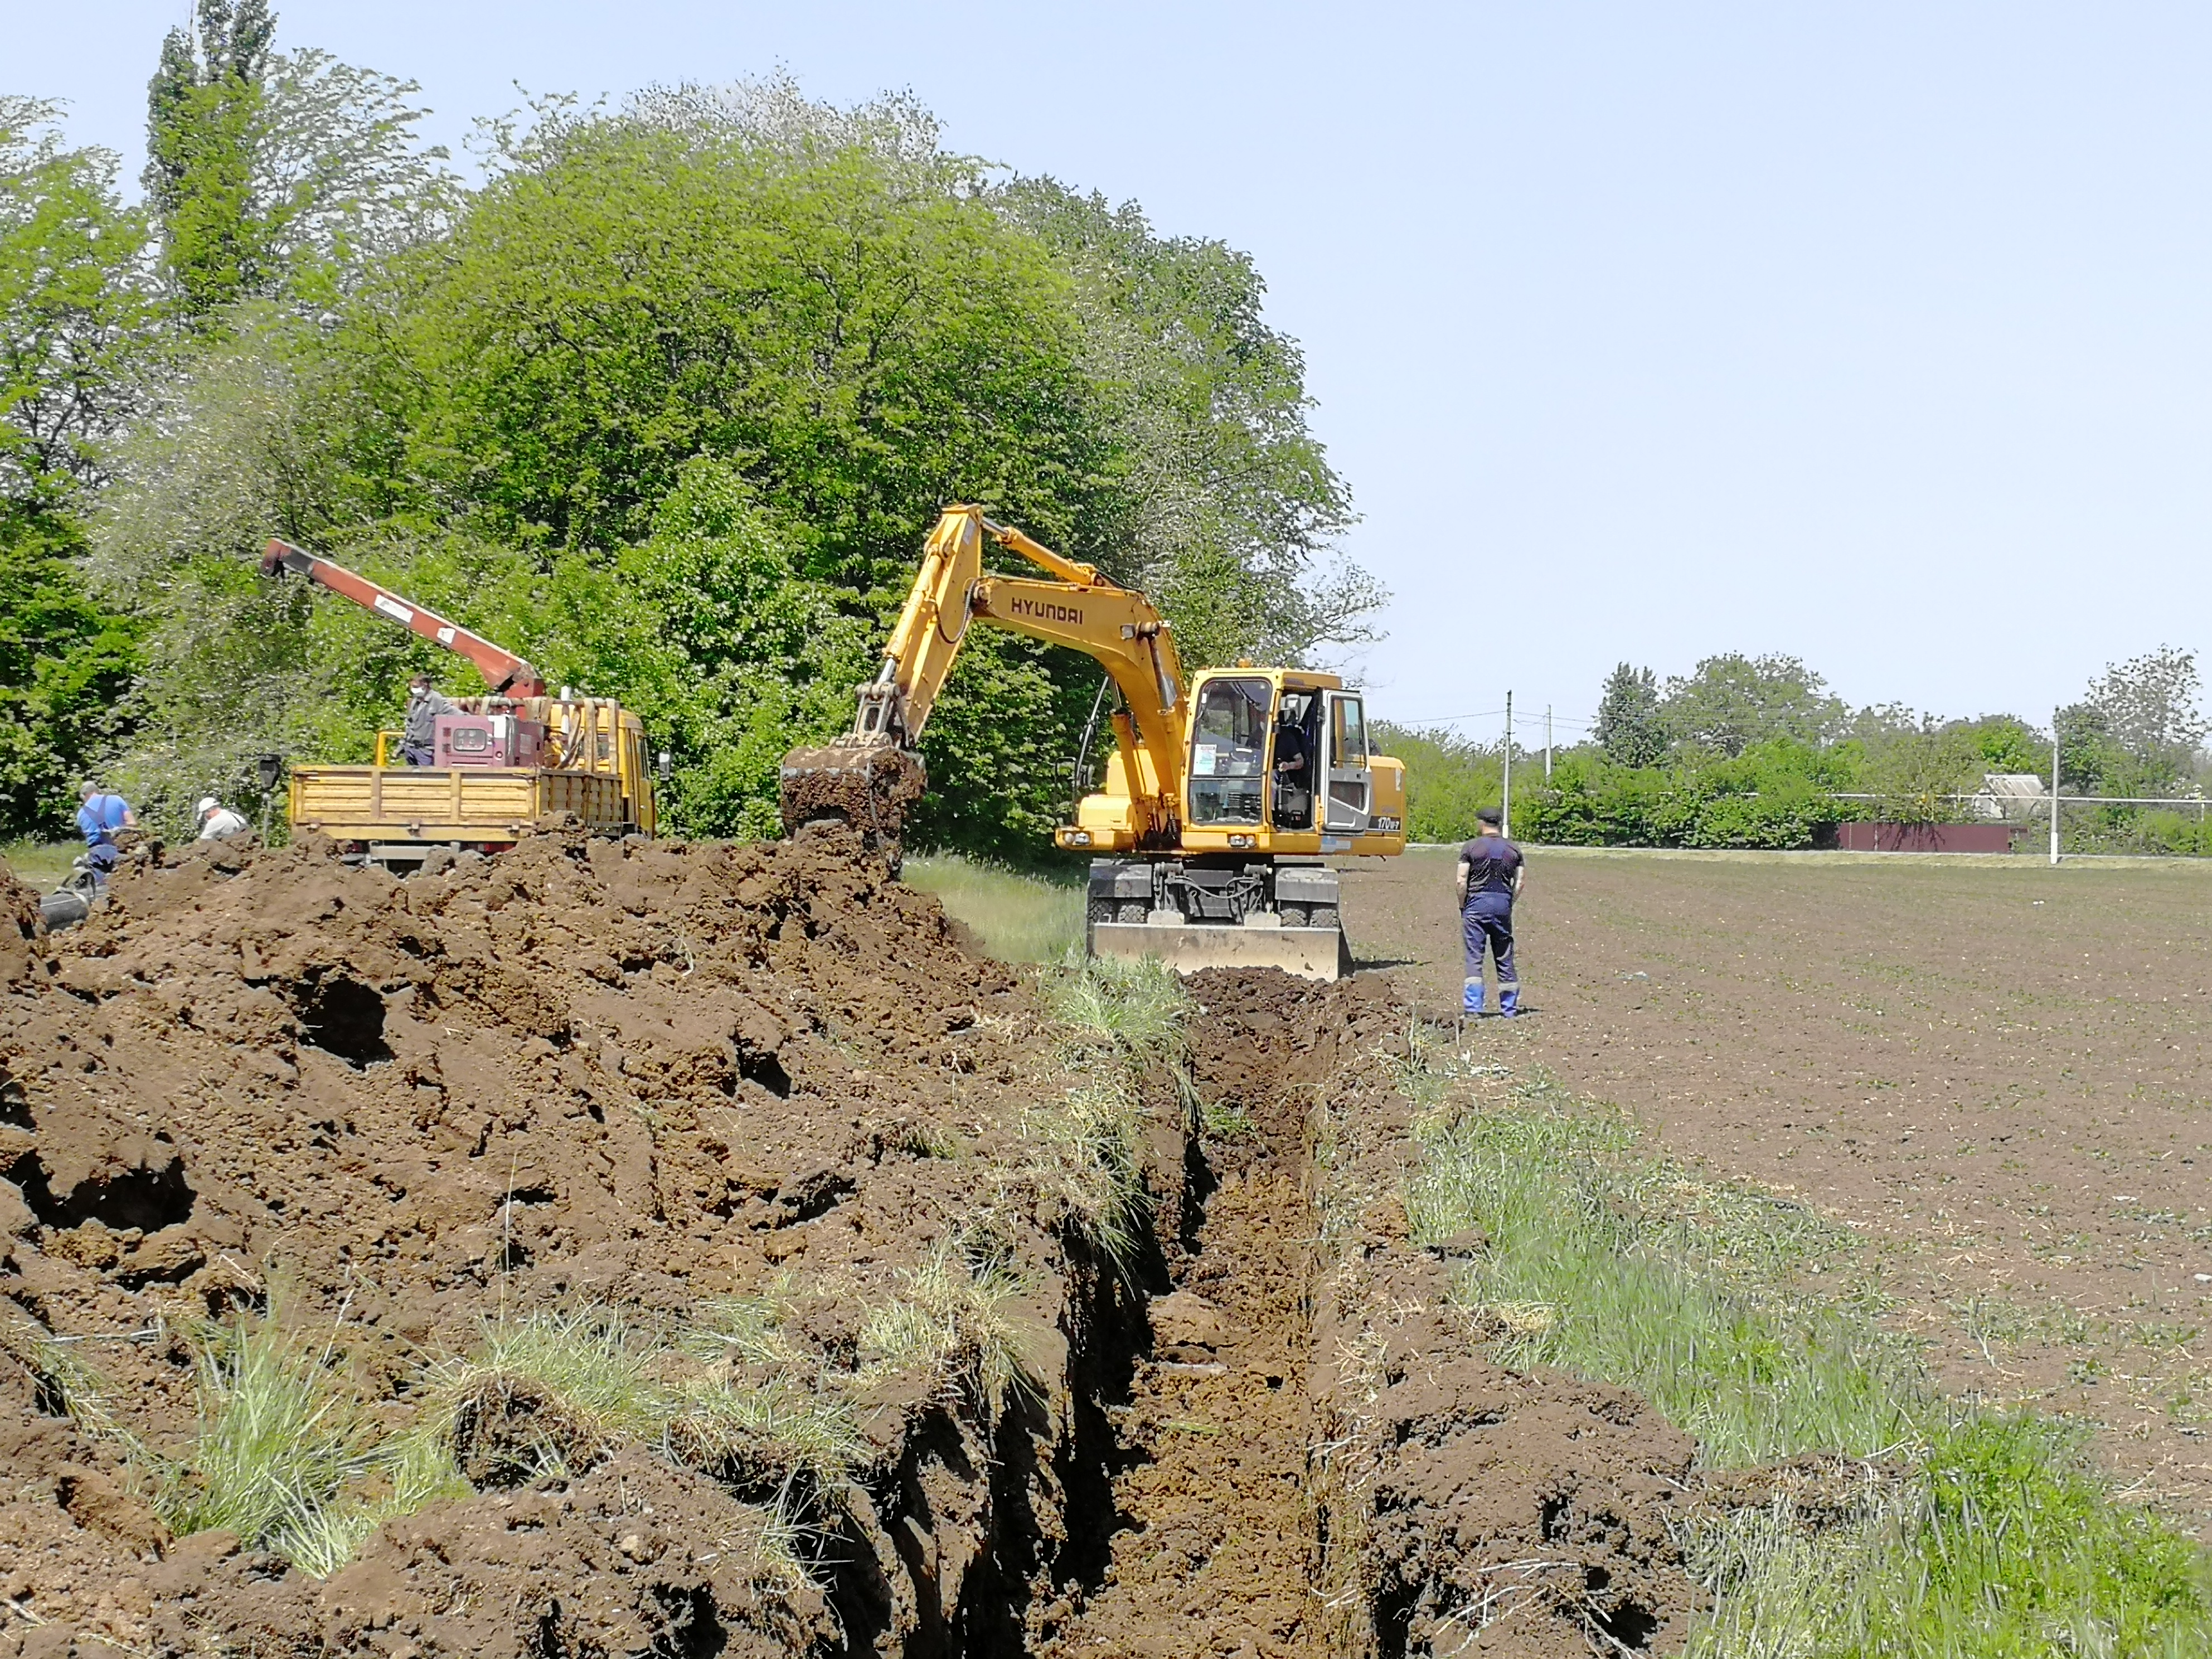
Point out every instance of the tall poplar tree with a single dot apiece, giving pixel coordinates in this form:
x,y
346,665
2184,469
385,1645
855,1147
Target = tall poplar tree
x,y
203,109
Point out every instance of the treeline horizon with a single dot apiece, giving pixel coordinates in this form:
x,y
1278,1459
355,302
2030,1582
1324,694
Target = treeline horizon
x,y
1756,752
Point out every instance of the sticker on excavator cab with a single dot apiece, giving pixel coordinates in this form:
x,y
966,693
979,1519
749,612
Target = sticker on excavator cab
x,y
391,607
1336,843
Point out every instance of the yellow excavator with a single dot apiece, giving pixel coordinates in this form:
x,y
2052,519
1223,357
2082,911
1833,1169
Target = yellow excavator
x,y
1224,795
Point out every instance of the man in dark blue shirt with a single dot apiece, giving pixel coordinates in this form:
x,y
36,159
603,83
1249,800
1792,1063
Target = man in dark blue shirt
x,y
1490,874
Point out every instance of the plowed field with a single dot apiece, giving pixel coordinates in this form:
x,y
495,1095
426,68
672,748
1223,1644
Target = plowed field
x,y
2000,1074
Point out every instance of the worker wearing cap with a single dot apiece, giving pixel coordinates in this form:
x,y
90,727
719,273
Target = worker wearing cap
x,y
1490,876
100,815
418,741
217,822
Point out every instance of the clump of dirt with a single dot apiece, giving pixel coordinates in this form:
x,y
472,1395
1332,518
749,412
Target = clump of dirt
x,y
654,1077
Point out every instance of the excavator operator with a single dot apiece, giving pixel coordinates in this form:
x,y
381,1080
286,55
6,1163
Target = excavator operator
x,y
1294,762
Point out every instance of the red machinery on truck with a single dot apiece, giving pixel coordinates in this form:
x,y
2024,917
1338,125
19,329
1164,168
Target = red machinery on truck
x,y
501,761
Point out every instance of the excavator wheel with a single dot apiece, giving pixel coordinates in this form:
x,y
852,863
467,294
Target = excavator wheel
x,y
865,787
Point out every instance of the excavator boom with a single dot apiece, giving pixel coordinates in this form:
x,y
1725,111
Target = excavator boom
x,y
867,778
505,674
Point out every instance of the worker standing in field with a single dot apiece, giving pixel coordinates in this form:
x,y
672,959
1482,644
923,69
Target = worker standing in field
x,y
1490,876
418,740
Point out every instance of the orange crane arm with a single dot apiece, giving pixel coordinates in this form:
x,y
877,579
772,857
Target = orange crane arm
x,y
1079,609
505,673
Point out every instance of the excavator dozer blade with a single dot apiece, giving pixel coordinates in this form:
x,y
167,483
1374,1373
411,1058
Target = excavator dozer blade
x,y
866,788
1312,953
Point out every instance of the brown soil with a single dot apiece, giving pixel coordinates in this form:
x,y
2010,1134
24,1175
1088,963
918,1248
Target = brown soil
x,y
1326,1465
1997,1073
587,1075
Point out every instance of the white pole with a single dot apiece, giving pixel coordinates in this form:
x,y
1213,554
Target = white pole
x,y
1505,810
1547,743
2054,786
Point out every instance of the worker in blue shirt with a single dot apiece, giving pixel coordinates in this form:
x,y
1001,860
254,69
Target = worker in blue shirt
x,y
98,816
1490,875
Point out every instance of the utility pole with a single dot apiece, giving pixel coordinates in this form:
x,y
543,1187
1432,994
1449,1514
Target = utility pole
x,y
1547,745
1505,810
2054,788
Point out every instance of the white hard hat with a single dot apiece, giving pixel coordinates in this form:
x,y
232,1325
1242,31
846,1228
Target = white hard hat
x,y
208,803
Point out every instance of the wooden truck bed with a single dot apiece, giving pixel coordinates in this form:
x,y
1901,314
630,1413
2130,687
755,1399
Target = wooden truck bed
x,y
470,805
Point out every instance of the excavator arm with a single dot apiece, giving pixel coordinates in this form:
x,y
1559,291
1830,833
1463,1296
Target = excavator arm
x,y
506,674
866,777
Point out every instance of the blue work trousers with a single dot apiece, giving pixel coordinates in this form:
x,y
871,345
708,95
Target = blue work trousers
x,y
1488,921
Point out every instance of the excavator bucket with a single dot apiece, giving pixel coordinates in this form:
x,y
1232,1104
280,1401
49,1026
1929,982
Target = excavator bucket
x,y
1187,947
864,785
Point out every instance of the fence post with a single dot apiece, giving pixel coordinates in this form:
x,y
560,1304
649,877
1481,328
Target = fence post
x,y
1505,810
1547,745
2054,788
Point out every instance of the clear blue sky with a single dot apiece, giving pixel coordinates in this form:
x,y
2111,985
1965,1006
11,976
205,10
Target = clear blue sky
x,y
1875,333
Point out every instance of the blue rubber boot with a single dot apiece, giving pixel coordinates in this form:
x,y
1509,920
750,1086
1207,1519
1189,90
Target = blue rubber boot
x,y
1509,999
1472,1004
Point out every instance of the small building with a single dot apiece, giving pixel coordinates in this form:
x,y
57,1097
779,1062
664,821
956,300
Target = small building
x,y
2008,797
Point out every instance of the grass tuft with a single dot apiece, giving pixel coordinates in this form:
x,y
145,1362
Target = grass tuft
x,y
1636,1270
954,1318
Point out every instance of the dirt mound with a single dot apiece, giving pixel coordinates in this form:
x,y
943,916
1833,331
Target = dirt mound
x,y
691,1250
657,1078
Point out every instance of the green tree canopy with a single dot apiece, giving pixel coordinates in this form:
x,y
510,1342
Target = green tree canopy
x,y
1726,703
1629,728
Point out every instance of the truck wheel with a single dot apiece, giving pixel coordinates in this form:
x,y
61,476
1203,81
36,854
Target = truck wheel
x,y
1322,916
1097,911
1295,916
1136,910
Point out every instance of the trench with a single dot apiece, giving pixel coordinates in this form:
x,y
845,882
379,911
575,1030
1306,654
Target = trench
x,y
1213,1548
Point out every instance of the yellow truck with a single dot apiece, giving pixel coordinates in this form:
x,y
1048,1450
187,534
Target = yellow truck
x,y
503,763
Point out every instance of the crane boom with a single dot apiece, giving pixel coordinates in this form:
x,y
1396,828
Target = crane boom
x,y
505,674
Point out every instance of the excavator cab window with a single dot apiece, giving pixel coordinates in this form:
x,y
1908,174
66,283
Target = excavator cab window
x,y
1229,751
1297,750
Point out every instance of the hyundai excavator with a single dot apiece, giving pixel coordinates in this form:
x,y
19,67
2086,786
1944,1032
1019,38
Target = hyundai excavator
x,y
1224,793
501,762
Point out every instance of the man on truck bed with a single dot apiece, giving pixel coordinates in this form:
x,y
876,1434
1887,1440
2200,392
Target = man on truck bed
x,y
1490,874
418,741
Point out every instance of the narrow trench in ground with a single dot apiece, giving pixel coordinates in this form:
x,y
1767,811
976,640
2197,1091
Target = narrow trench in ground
x,y
1213,1551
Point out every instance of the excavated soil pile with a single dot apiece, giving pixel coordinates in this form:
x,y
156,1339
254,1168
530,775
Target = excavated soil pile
x,y
1325,1464
749,1125
582,1076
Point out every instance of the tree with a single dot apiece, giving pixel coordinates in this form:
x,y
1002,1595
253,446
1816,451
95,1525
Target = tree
x,y
74,319
275,174
2147,708
1224,504
1914,774
202,113
1628,726
1729,702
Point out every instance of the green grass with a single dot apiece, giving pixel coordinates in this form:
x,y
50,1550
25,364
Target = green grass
x,y
1123,1021
1979,1536
1018,918
43,864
